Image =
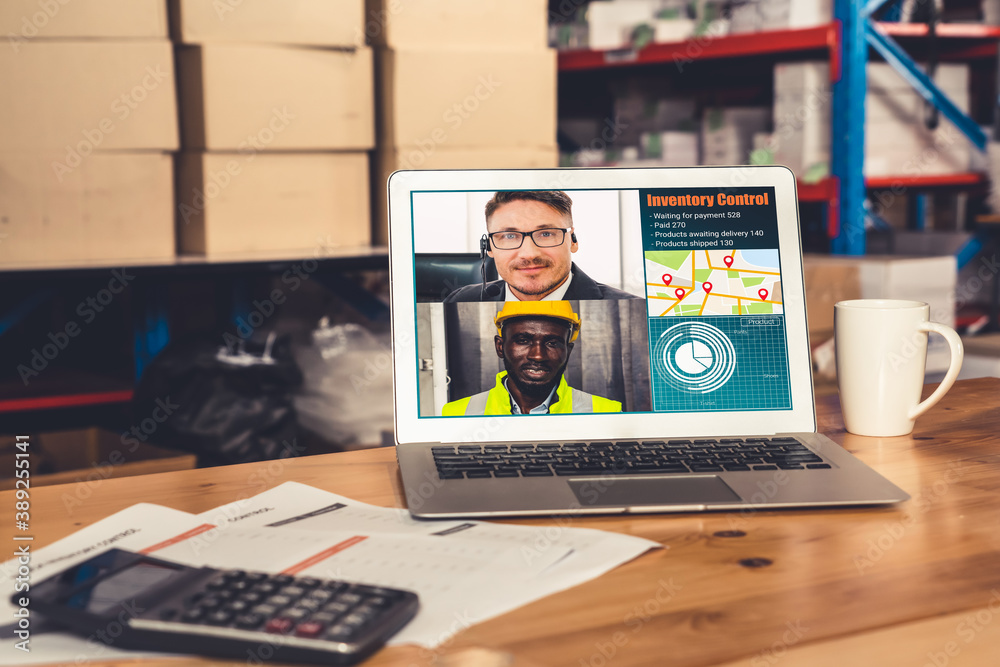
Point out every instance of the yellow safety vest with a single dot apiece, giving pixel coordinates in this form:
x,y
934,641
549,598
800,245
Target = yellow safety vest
x,y
496,401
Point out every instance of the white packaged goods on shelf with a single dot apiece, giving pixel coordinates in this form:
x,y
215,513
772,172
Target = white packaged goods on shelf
x,y
991,12
896,139
745,17
611,23
727,133
673,30
781,14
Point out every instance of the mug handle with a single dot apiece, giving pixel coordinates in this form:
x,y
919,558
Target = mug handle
x,y
957,354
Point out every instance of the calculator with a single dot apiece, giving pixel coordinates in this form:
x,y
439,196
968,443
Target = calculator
x,y
130,600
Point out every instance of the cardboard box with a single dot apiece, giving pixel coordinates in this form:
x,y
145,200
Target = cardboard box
x,y
108,207
390,159
88,455
306,22
274,98
833,278
459,24
26,20
232,203
88,95
458,99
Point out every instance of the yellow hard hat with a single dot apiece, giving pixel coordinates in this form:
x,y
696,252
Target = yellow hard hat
x,y
560,310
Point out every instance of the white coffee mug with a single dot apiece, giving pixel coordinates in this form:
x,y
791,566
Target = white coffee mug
x,y
881,354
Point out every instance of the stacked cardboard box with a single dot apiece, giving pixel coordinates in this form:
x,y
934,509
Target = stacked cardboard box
x,y
277,116
462,85
85,167
896,139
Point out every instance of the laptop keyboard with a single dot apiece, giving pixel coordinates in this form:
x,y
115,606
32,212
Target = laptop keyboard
x,y
629,458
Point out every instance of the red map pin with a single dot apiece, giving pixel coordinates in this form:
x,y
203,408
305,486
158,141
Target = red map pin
x,y
728,259
667,278
679,292
763,293
707,287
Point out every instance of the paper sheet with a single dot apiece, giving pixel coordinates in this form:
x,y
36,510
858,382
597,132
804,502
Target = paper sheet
x,y
133,528
464,571
540,560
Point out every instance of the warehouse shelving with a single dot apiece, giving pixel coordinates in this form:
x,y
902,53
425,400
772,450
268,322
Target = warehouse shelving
x,y
60,389
845,42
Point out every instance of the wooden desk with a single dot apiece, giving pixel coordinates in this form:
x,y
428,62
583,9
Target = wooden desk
x,y
915,585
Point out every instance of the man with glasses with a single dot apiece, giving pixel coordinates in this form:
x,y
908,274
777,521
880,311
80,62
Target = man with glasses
x,y
534,340
530,238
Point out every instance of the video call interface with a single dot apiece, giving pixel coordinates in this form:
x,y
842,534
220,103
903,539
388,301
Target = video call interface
x,y
694,323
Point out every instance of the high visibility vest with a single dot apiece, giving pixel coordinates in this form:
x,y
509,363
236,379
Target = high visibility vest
x,y
496,401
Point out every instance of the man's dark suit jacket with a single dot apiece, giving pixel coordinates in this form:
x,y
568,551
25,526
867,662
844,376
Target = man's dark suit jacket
x,y
582,288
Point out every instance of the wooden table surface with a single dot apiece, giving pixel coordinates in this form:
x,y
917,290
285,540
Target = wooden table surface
x,y
916,584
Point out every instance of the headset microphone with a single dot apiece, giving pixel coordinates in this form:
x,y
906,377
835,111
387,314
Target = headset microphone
x,y
484,245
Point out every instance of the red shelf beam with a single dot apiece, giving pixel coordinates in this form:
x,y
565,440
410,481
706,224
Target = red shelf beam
x,y
705,48
825,190
933,181
65,401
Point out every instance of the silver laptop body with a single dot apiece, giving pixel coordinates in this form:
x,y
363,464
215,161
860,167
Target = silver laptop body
x,y
712,346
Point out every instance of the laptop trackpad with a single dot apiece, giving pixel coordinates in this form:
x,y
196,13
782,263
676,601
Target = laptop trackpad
x,y
627,491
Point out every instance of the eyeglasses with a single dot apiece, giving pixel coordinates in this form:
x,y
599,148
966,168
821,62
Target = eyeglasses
x,y
543,238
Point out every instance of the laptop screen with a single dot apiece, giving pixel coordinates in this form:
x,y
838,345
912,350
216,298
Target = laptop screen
x,y
595,301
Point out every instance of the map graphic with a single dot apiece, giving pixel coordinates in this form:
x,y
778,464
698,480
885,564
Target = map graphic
x,y
694,357
691,283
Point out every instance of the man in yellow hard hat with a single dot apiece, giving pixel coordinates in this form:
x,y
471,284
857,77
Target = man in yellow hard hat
x,y
534,339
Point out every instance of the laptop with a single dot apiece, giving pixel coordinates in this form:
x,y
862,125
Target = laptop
x,y
677,375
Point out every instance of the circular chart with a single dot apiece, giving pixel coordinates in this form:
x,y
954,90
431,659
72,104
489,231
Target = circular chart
x,y
694,357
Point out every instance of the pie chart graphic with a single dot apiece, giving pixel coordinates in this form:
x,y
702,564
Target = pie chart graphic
x,y
694,357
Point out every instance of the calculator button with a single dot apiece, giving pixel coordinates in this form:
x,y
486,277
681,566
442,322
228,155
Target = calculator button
x,y
282,579
242,585
336,607
238,606
279,626
193,615
265,609
265,588
255,576
220,617
249,621
308,630
339,633
384,592
279,600
350,598
295,614
292,591
216,583
324,617
210,602
252,598
320,595
310,604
